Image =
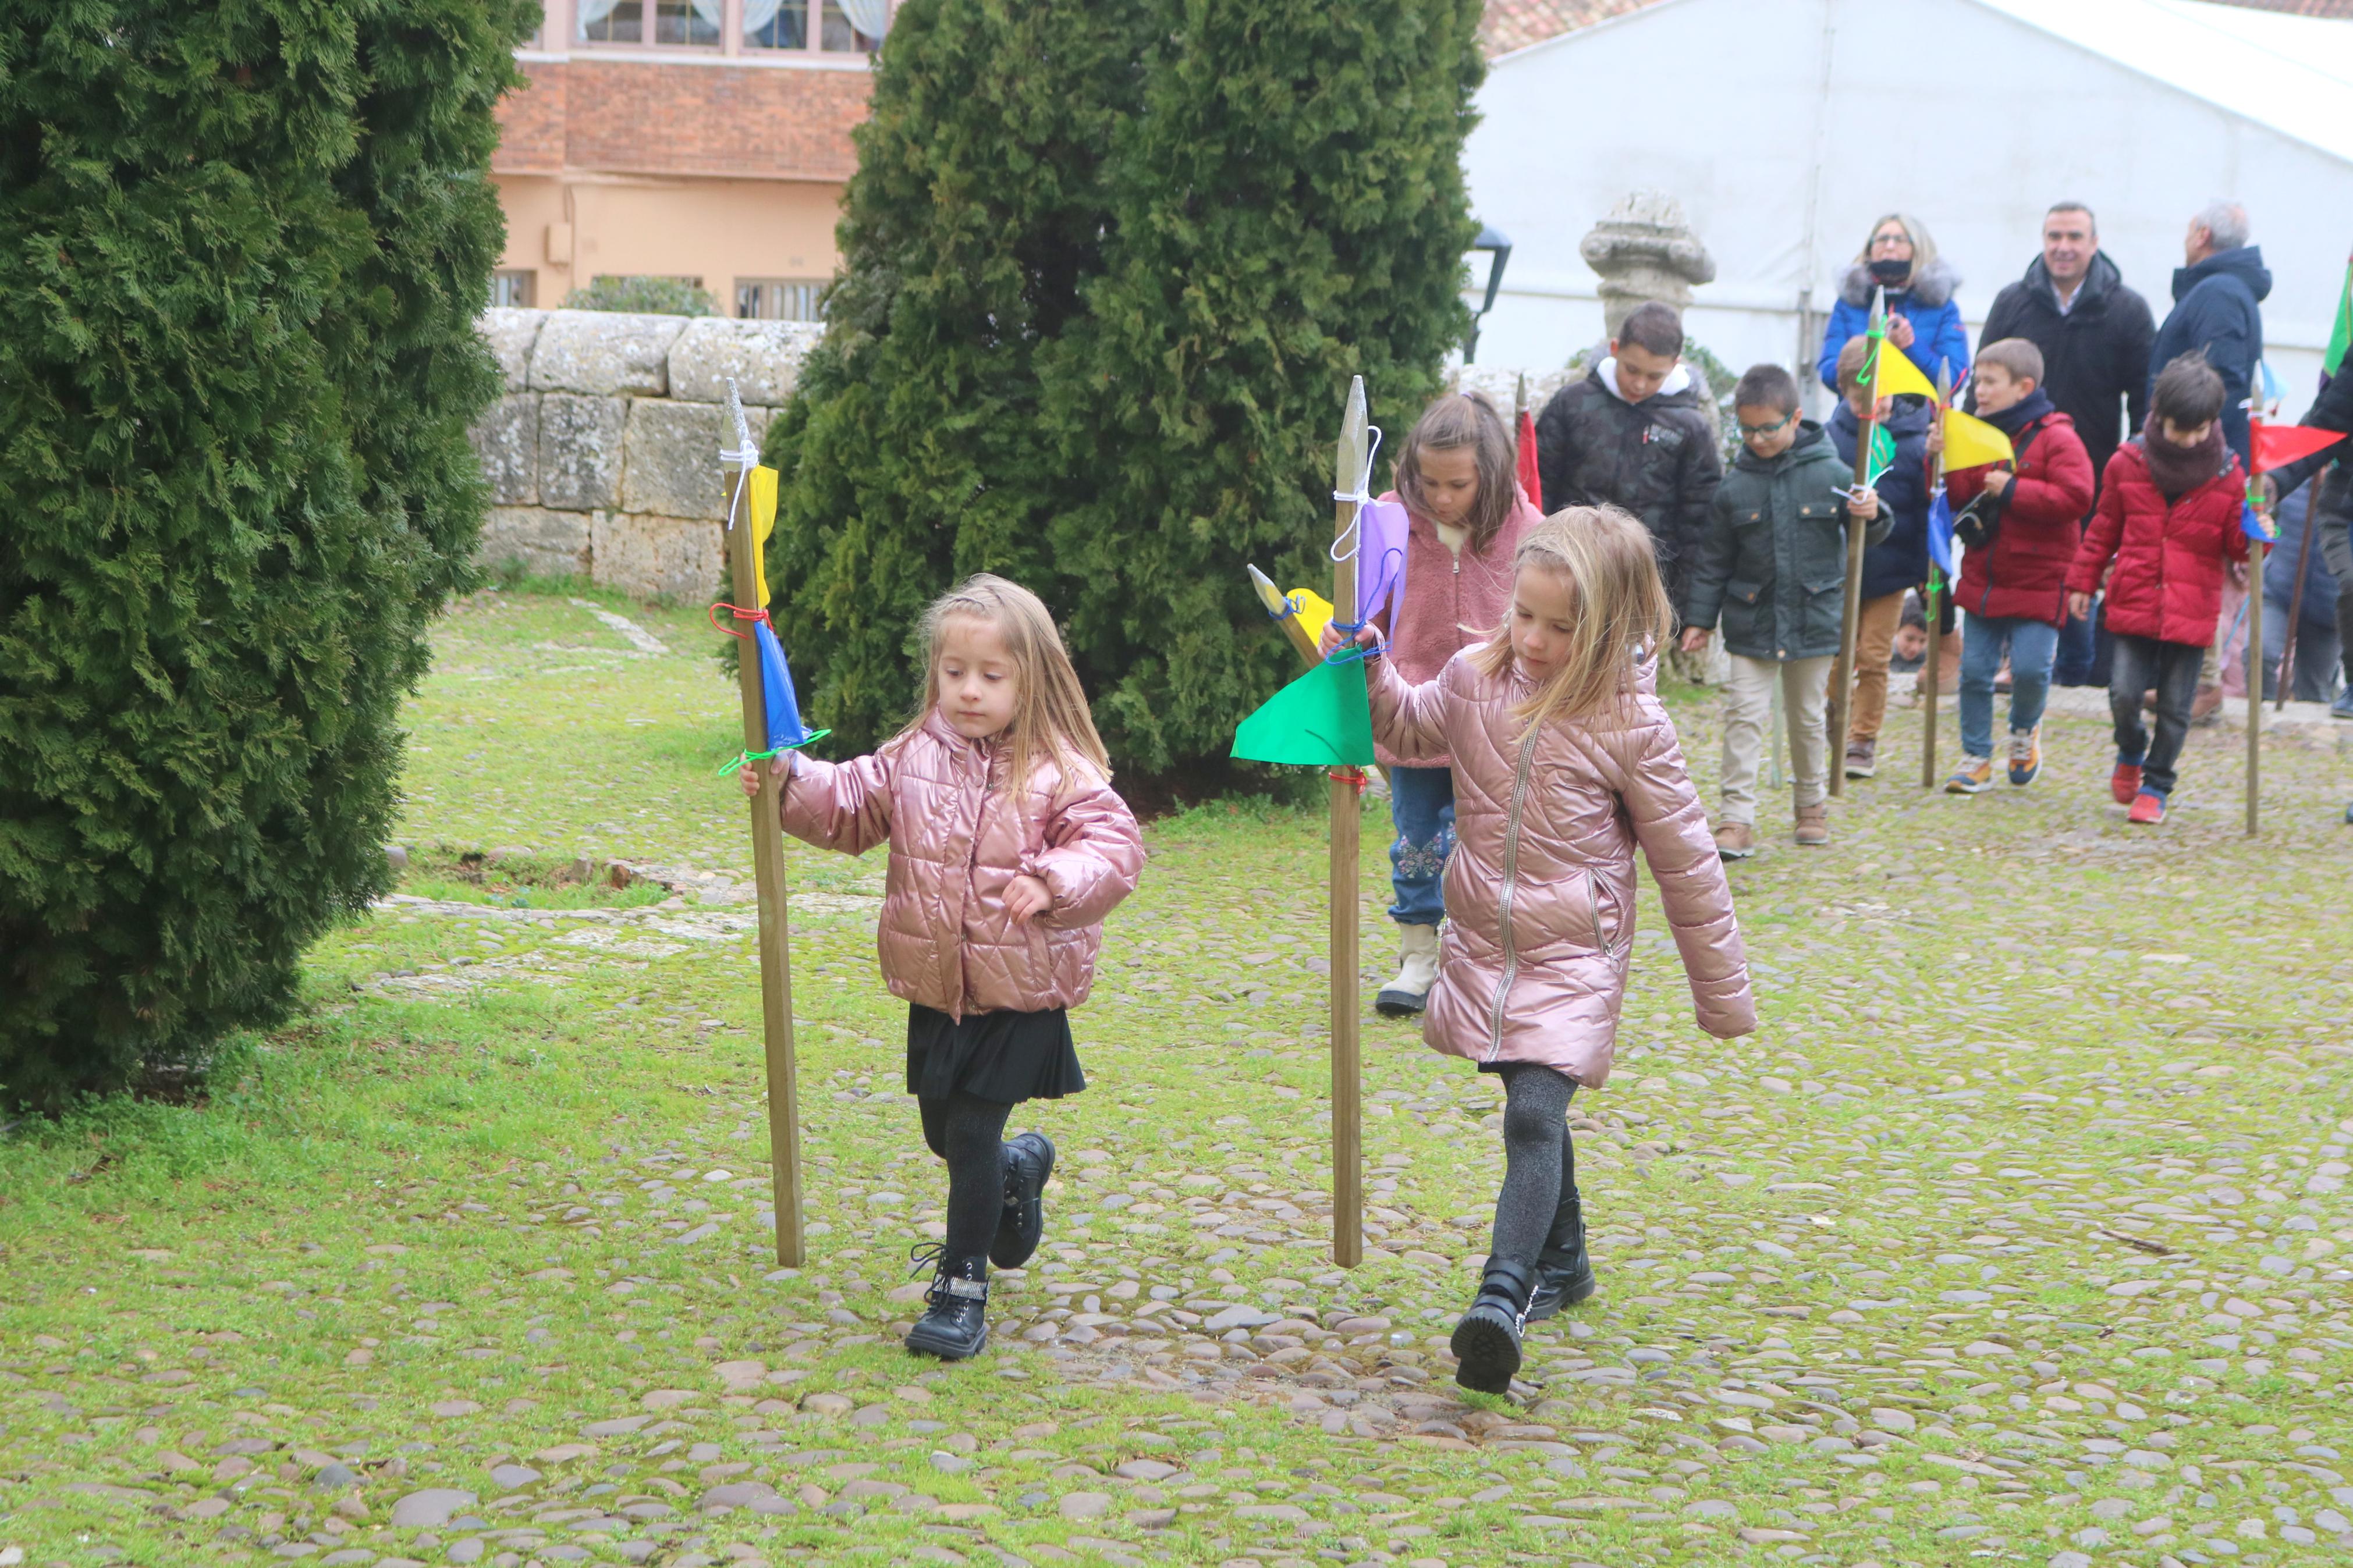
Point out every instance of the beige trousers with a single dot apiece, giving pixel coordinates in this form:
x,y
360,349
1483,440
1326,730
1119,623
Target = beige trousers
x,y
1748,708
1874,641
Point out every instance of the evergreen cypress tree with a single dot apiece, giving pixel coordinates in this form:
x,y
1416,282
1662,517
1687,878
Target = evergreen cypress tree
x,y
1288,210
915,451
1108,267
248,240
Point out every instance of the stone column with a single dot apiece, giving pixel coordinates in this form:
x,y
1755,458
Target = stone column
x,y
1644,250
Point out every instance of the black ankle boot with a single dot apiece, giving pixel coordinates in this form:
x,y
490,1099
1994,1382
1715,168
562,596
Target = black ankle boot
x,y
956,1327
1029,1161
1486,1342
1564,1273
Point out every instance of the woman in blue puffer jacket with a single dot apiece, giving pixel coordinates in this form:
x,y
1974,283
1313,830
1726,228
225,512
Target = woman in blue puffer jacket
x,y
1922,319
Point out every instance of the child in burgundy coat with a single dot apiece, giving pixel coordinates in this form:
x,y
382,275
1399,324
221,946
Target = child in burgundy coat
x,y
2168,521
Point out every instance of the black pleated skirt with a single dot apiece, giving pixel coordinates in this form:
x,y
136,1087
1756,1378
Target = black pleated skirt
x,y
1004,1057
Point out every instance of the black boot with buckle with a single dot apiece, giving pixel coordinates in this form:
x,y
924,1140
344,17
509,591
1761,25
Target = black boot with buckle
x,y
956,1326
1029,1162
1486,1342
1564,1272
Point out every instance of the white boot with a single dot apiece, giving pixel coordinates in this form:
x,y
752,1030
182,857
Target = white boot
x,y
1409,992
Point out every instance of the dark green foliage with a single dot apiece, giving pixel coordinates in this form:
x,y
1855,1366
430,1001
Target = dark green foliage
x,y
647,295
1108,266
245,242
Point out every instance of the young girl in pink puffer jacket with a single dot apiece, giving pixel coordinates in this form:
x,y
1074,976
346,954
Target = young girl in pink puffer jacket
x,y
1564,762
1007,849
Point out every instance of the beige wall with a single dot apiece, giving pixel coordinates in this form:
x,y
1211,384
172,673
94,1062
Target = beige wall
x,y
718,230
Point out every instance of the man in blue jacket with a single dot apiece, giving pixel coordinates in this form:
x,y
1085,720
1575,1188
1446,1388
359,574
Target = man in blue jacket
x,y
2217,309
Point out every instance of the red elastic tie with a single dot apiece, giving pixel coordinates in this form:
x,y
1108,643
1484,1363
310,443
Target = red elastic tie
x,y
740,613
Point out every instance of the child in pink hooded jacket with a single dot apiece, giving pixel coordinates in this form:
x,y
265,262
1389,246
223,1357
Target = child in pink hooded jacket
x,y
1564,763
1007,849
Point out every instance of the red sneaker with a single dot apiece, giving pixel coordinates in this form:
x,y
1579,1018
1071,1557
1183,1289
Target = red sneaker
x,y
2146,807
2124,783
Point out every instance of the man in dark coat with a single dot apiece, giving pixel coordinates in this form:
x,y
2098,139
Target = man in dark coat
x,y
2331,508
2217,311
1637,434
2095,336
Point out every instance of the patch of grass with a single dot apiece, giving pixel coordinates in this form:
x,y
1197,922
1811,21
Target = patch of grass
x,y
503,1182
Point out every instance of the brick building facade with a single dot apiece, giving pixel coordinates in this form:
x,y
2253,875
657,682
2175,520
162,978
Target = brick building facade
x,y
707,140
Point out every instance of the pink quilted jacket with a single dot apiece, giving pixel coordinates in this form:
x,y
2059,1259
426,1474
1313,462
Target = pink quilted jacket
x,y
955,844
1445,593
1540,888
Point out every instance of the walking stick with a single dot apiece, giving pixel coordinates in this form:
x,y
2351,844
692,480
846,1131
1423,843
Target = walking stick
x,y
767,861
2256,551
1349,479
2295,595
1842,672
1934,585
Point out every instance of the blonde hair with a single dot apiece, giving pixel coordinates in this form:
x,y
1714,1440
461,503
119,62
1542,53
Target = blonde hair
x,y
1455,421
1050,709
1623,610
1924,248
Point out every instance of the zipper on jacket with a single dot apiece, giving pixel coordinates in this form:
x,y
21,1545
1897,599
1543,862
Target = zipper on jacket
x,y
1511,875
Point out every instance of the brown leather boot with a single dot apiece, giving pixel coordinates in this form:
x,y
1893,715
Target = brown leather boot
x,y
1814,825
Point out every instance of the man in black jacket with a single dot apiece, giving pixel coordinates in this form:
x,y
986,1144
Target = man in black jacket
x,y
1637,434
2095,336
2331,509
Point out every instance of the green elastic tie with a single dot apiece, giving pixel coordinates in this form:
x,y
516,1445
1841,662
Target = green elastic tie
x,y
741,758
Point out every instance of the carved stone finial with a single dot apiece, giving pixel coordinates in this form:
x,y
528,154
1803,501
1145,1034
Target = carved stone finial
x,y
1644,250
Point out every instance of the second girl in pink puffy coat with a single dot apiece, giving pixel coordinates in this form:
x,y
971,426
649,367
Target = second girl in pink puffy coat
x,y
1565,762
1007,849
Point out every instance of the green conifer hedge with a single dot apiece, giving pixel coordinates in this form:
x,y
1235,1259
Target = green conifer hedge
x,y
246,242
1109,265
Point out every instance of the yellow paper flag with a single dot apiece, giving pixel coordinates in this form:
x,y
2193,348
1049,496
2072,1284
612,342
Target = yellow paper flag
x,y
1314,611
1970,442
1898,375
762,487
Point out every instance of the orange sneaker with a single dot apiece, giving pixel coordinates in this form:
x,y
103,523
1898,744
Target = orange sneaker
x,y
2124,783
2147,806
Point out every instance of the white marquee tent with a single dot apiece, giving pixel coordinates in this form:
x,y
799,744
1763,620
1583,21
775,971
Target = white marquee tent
x,y
1785,126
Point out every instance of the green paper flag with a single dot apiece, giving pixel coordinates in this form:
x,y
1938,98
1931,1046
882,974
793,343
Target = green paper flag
x,y
1882,454
1321,720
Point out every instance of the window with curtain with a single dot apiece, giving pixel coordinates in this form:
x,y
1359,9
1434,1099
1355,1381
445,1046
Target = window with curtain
x,y
775,23
779,299
650,21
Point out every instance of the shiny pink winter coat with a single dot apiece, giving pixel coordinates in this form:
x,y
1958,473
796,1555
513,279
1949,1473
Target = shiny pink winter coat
x,y
1540,888
956,842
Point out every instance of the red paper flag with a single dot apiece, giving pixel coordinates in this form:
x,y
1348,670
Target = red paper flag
x,y
2276,445
1531,481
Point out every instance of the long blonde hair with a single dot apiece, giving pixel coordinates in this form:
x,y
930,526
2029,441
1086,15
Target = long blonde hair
x,y
1623,610
1050,709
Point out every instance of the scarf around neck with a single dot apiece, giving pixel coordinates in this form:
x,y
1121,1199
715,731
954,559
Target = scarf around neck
x,y
2178,470
2021,413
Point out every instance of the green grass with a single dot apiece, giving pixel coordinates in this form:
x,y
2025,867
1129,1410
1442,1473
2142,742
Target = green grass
x,y
2004,1040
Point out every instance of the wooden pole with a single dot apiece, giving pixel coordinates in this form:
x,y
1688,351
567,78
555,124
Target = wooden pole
x,y
1347,1085
1842,696
767,873
2255,552
1936,585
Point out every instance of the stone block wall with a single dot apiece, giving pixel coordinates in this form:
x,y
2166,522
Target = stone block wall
x,y
602,455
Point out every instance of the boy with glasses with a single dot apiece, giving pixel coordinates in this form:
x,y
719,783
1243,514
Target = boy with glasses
x,y
1772,567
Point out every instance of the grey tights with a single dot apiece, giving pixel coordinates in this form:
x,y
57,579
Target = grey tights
x,y
1539,1159
969,1133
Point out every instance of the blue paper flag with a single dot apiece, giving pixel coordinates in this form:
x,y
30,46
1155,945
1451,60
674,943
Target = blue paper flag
x,y
1940,535
785,731
2256,526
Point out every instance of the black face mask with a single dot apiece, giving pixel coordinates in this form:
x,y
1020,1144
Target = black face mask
x,y
1892,274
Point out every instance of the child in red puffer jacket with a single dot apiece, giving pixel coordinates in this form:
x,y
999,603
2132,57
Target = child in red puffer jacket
x,y
2167,523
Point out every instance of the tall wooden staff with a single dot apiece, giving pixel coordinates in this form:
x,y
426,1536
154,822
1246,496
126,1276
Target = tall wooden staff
x,y
2256,551
1842,673
1936,584
1348,479
2295,595
767,858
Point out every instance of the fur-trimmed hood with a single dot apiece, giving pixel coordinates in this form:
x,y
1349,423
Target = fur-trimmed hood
x,y
1932,285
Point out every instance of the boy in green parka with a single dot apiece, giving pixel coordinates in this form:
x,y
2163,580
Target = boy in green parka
x,y
1772,565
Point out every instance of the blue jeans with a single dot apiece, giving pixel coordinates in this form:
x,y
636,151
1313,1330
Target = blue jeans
x,y
1421,803
2032,645
2079,643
